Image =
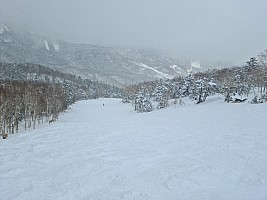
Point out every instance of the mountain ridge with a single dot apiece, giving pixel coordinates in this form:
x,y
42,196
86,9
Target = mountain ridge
x,y
113,65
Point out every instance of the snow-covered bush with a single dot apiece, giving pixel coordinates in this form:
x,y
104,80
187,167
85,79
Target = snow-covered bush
x,y
125,99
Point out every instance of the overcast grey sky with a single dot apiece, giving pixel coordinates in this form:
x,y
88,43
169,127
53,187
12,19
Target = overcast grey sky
x,y
230,30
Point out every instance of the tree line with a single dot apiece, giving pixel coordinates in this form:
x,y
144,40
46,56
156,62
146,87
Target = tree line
x,y
230,82
33,94
29,102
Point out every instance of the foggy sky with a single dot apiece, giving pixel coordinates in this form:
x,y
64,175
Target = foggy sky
x,y
231,30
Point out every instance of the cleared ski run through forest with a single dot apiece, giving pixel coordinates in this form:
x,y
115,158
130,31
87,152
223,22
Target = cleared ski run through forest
x,y
213,150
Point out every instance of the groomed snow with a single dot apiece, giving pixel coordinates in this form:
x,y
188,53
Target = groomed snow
x,y
3,28
161,74
56,46
210,151
46,45
195,64
176,69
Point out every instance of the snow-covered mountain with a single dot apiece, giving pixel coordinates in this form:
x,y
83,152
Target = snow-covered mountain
x,y
112,65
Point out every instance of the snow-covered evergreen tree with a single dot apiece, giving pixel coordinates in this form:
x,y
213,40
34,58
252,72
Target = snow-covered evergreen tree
x,y
142,103
160,95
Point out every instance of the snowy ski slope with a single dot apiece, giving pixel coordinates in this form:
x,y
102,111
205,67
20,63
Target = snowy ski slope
x,y
210,151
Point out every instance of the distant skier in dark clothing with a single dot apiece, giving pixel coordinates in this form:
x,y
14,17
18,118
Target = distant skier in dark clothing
x,y
103,104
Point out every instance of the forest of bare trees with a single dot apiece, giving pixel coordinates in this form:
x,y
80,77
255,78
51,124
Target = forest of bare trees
x,y
32,94
29,102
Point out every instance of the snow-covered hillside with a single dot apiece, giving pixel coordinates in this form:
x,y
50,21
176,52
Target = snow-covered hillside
x,y
116,66
210,151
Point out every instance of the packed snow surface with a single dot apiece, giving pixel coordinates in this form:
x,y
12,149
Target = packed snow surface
x,y
3,28
210,151
195,64
56,46
46,45
176,68
161,74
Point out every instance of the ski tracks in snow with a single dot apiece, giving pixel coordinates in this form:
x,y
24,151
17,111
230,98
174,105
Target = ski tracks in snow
x,y
110,152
